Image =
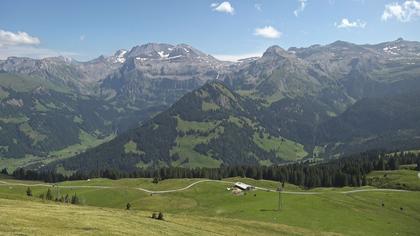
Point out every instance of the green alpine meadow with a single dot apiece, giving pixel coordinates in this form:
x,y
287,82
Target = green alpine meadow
x,y
199,117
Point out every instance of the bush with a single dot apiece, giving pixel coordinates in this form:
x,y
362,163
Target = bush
x,y
154,215
4,171
128,206
49,196
160,216
75,199
29,192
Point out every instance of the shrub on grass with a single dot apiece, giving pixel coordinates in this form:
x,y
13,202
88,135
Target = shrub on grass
x,y
75,199
4,171
49,196
29,192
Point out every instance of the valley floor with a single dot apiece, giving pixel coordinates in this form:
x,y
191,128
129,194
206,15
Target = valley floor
x,y
205,207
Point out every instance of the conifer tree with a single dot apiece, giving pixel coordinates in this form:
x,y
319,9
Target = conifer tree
x,y
75,199
160,216
49,196
4,171
29,192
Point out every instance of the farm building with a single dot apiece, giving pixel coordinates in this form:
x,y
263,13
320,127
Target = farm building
x,y
243,186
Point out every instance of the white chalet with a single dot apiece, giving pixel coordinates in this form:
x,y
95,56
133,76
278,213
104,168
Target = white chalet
x,y
243,186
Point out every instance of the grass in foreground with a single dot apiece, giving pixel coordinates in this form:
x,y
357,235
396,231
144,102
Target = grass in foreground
x,y
35,218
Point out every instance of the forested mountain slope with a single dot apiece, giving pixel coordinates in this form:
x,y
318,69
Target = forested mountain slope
x,y
51,105
207,127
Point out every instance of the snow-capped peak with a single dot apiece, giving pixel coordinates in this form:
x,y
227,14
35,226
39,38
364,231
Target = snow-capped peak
x,y
119,56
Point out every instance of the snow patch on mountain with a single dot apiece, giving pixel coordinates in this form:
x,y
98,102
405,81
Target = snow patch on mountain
x,y
393,50
163,55
119,57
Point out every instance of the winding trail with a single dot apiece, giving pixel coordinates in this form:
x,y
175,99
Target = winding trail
x,y
198,182
20,184
375,190
182,189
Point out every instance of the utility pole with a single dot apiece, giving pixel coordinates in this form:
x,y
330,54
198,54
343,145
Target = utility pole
x,y
280,202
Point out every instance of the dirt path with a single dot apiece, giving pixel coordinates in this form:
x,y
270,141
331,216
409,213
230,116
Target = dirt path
x,y
198,182
20,184
375,190
185,188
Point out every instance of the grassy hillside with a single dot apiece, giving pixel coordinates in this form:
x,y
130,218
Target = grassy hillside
x,y
399,179
35,113
210,205
389,122
24,83
43,118
208,127
86,141
25,217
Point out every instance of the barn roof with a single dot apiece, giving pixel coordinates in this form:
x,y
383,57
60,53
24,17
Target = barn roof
x,y
242,185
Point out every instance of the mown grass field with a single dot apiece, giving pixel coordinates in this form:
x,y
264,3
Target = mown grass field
x,y
208,208
34,218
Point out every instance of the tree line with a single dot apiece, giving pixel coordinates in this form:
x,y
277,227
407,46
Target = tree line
x,y
348,171
49,196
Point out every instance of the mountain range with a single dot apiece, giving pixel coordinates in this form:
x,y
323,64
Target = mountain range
x,y
173,105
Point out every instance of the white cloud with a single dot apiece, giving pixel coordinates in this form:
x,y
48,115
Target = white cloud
x,y
258,6
236,57
21,44
405,12
225,7
301,7
346,23
82,37
8,38
267,32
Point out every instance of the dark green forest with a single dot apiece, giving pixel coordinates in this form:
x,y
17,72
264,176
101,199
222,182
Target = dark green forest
x,y
348,171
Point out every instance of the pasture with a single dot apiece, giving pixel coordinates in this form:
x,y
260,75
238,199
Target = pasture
x,y
208,205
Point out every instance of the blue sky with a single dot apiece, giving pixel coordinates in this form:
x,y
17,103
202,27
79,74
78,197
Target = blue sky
x,y
229,29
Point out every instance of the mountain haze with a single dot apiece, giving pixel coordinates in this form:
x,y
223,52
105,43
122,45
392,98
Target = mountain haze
x,y
323,101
